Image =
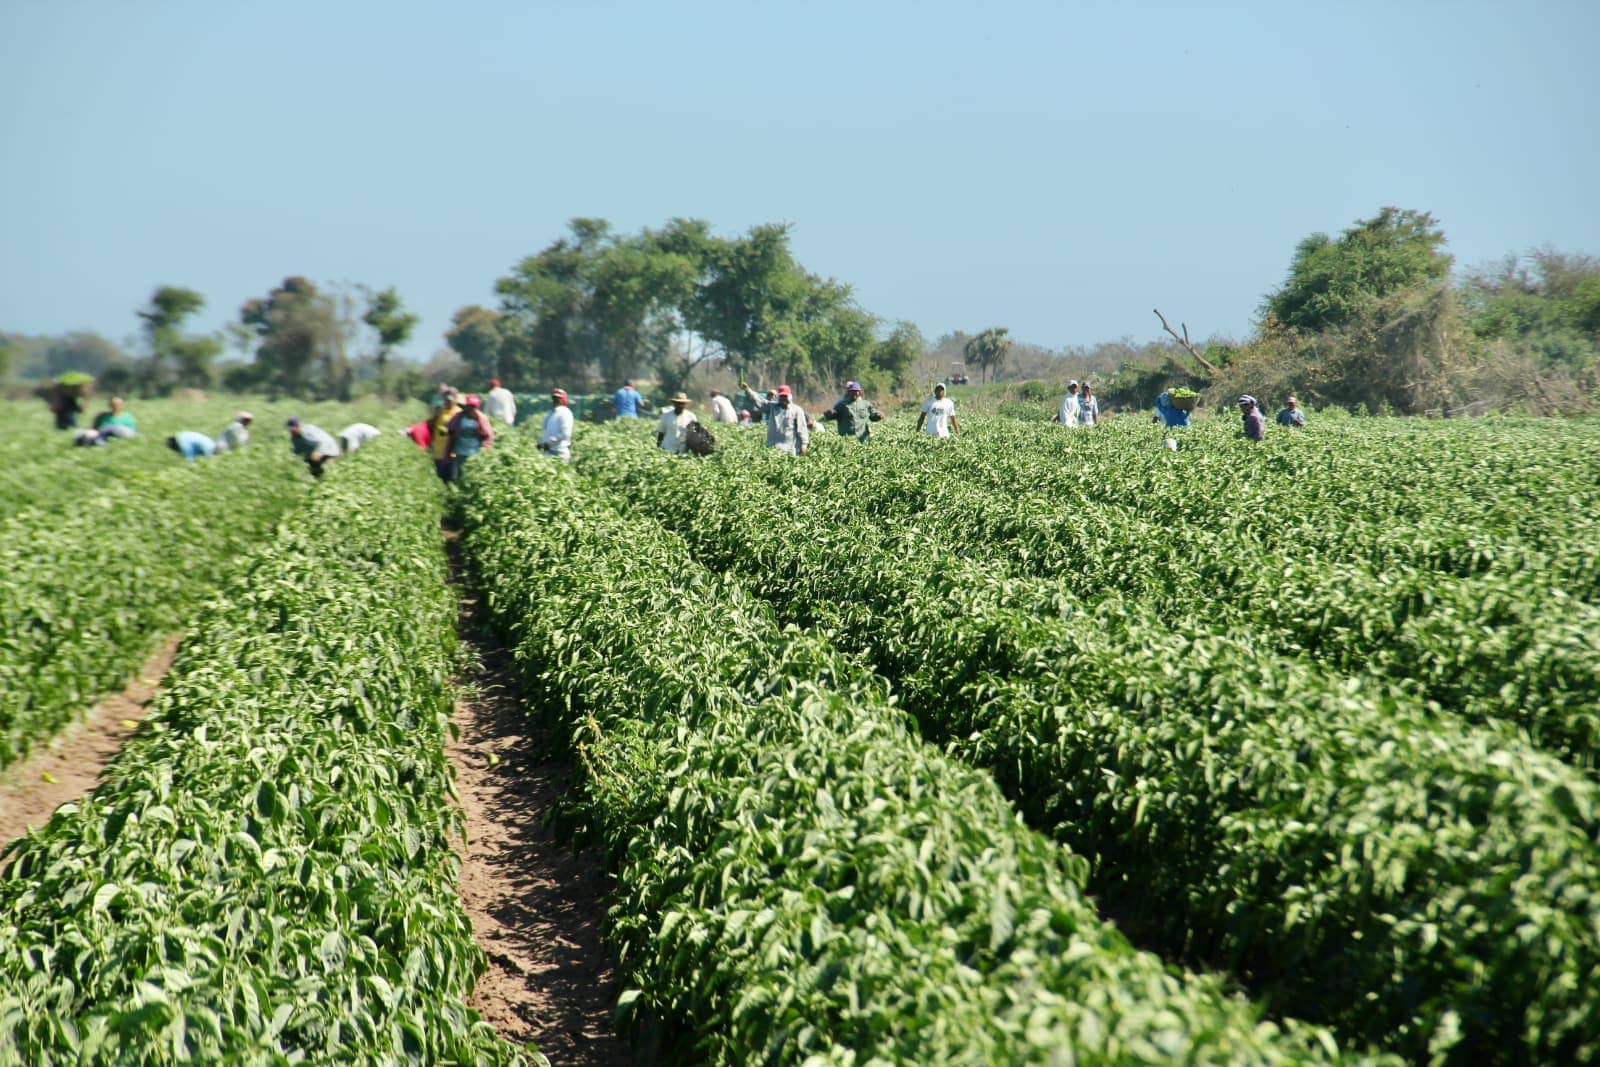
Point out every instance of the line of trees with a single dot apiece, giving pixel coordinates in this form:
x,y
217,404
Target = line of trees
x,y
1376,319
596,307
1373,318
295,341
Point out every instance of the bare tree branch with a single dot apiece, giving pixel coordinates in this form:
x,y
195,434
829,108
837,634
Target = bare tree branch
x,y
1184,341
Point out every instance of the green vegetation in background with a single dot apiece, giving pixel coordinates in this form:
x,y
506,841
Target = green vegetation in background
x,y
266,875
41,470
1361,858
597,307
801,881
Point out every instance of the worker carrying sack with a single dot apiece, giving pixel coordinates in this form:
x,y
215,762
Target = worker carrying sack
x,y
699,440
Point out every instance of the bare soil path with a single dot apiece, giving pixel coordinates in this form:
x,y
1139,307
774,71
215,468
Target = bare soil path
x,y
74,758
536,908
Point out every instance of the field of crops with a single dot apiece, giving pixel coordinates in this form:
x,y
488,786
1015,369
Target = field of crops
x,y
106,550
266,875
1026,746
1321,714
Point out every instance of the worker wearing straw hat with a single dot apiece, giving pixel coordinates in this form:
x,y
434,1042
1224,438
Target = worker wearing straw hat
x,y
672,431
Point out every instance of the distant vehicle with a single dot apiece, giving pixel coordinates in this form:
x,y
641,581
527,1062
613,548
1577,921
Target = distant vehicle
x,y
957,375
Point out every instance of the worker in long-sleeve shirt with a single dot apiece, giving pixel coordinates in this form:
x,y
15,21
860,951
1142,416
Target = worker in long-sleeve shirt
x,y
236,434
787,425
312,442
555,435
1255,423
854,413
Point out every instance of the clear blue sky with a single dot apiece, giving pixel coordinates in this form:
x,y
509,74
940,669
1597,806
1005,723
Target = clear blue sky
x,y
1058,169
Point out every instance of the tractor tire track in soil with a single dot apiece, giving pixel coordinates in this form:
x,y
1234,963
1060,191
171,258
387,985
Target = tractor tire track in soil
x,y
536,907
76,756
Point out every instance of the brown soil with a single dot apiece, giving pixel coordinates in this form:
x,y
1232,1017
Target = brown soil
x,y
75,756
535,906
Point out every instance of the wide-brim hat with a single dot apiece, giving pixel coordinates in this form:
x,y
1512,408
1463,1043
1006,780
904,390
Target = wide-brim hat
x,y
680,398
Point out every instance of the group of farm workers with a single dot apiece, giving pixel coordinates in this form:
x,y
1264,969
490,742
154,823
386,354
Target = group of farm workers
x,y
788,425
1079,408
459,426
308,441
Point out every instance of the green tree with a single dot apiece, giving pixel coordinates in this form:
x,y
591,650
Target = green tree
x,y
300,341
895,355
389,319
1546,304
1333,283
476,335
988,350
174,357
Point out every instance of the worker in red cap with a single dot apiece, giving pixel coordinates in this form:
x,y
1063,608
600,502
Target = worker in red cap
x,y
788,428
498,403
555,436
469,433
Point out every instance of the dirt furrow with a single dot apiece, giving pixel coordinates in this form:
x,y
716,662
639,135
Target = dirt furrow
x,y
536,907
68,765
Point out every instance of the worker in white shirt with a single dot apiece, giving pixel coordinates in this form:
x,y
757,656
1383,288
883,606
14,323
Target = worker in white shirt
x,y
672,430
357,434
555,436
236,434
498,403
939,414
1071,409
722,408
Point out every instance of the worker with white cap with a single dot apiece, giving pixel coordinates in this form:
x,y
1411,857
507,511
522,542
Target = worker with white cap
x,y
1071,408
1255,423
236,434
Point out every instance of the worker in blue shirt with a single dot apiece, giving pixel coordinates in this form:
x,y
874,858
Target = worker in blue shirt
x,y
626,401
191,445
1170,416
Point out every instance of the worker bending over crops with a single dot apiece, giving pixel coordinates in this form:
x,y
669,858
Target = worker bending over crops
x,y
236,434
357,434
312,442
191,445
555,436
854,413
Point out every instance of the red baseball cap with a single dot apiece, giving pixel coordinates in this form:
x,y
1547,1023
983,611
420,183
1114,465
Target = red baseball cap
x,y
784,390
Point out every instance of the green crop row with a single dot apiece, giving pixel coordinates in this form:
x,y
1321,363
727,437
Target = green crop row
x,y
1459,608
86,595
801,881
1363,861
266,875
